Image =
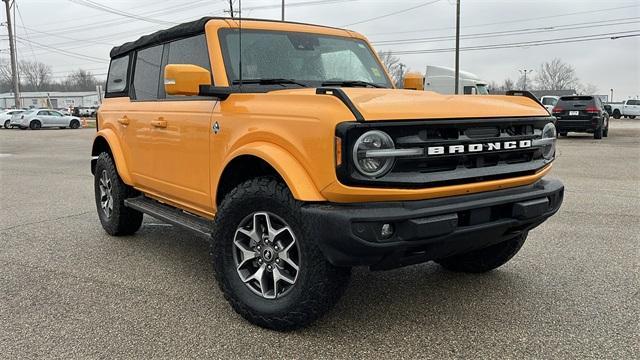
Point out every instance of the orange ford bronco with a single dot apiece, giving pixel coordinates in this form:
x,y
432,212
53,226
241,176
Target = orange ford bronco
x,y
289,147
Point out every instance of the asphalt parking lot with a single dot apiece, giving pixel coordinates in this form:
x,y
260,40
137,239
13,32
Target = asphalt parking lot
x,y
67,290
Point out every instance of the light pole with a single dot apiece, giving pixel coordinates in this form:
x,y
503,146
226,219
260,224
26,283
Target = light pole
x,y
525,71
282,10
611,97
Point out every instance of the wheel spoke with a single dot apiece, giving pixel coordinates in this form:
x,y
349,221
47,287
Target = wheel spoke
x,y
253,235
259,277
247,254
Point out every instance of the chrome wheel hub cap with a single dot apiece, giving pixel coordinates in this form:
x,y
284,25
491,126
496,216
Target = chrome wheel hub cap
x,y
106,198
266,255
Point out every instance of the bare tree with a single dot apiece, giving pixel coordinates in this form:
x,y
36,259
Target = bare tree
x,y
392,63
587,89
36,75
530,85
80,80
6,80
556,75
508,85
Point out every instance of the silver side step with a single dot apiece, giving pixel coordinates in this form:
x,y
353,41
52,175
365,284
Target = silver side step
x,y
171,215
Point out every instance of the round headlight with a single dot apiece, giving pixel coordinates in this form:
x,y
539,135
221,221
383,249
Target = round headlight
x,y
373,166
548,141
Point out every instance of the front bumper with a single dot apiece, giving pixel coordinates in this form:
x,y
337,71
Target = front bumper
x,y
350,234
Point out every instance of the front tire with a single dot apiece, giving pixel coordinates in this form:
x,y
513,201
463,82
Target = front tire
x,y
632,116
110,193
269,268
6,124
486,259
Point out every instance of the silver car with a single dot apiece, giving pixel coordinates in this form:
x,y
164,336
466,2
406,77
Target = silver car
x,y
5,116
35,119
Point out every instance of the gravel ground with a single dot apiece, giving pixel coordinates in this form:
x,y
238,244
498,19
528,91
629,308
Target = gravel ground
x,y
67,290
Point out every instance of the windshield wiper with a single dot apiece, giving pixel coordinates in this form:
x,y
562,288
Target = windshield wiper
x,y
268,81
351,83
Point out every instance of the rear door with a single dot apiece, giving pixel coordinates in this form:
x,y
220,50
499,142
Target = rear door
x,y
44,118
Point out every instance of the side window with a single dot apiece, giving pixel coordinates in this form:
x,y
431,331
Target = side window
x,y
43,113
146,74
192,50
117,78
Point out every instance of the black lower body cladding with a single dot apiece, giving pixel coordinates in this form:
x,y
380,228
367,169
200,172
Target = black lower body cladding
x,y
392,234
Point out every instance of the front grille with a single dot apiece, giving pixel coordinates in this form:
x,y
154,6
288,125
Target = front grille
x,y
449,169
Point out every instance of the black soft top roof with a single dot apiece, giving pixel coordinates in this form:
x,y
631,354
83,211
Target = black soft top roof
x,y
179,31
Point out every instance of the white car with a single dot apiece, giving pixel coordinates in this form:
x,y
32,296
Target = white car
x,y
628,108
35,119
549,101
5,116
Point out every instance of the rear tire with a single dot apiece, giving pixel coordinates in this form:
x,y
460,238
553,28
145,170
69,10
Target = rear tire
x,y
486,259
616,114
110,193
74,124
272,302
597,133
632,116
563,134
605,132
35,125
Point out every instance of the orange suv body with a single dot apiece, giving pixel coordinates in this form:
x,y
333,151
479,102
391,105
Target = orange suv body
x,y
378,176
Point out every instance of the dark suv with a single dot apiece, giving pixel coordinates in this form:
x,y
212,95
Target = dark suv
x,y
581,114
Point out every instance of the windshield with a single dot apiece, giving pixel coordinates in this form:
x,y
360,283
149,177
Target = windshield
x,y
307,58
482,89
549,101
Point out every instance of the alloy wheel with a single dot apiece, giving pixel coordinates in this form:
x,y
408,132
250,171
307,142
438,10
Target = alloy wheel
x,y
266,255
106,197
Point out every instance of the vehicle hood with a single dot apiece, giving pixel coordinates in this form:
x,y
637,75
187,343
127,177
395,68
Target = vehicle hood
x,y
395,104
389,104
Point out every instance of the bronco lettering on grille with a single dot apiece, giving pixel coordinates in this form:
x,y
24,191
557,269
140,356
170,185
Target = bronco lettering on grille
x,y
478,147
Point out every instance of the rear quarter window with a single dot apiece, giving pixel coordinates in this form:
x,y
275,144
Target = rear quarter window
x,y
117,78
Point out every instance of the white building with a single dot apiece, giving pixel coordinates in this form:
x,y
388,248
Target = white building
x,y
57,99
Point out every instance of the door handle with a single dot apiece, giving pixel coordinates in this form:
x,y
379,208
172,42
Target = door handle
x,y
124,120
159,123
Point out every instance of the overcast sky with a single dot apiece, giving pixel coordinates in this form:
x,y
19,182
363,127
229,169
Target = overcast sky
x,y
48,27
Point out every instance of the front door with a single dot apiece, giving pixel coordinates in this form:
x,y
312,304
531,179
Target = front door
x,y
171,134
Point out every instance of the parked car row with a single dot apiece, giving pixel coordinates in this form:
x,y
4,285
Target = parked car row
x,y
35,119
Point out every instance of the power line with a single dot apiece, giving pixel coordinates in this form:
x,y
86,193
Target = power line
x,y
393,13
62,52
100,7
25,33
509,21
572,39
610,22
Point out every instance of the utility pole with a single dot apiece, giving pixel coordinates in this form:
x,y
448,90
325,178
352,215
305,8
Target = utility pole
x,y
457,46
231,8
14,59
282,10
399,84
525,71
